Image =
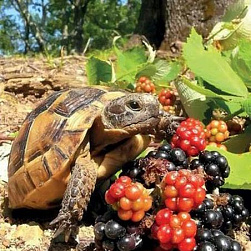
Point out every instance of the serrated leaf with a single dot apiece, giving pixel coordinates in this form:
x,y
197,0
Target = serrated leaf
x,y
128,63
240,166
148,71
166,71
239,143
212,67
98,71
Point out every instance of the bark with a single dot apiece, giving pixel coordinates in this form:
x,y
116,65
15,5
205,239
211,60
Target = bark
x,y
164,22
80,8
151,22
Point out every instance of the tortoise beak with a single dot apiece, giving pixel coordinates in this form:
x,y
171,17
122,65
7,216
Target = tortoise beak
x,y
168,125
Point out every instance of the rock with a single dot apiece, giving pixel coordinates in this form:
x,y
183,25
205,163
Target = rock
x,y
86,239
4,157
30,233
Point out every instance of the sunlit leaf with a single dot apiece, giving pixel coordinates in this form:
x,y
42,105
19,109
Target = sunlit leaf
x,y
98,71
166,71
128,63
212,67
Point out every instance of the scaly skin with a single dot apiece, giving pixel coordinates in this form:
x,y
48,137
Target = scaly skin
x,y
77,196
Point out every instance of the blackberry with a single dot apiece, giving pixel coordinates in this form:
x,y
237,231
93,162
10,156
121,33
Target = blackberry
x,y
222,242
165,147
213,218
111,233
177,156
206,246
207,215
161,155
132,170
215,166
127,242
215,240
234,212
174,155
226,213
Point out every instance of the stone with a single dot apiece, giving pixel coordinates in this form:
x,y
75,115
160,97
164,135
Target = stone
x,y
31,234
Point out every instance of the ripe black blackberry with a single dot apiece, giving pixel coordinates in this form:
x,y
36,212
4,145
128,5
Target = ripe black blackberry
x,y
215,166
215,240
225,212
175,155
234,213
112,234
207,215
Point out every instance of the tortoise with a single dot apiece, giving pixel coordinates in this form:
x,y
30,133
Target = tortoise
x,y
74,138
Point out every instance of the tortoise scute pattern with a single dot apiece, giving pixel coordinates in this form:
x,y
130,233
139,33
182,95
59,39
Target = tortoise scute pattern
x,y
43,152
76,99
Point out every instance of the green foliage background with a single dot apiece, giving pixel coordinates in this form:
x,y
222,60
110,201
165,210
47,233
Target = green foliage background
x,y
56,23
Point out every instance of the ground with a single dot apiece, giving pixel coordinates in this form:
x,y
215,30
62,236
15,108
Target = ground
x,y
23,84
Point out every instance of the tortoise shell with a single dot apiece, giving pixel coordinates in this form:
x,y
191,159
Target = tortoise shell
x,y
48,143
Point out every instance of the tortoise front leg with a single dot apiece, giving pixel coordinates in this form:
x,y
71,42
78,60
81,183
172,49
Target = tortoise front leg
x,y
77,196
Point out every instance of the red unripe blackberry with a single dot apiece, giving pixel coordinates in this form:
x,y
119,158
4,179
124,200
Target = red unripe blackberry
x,y
190,137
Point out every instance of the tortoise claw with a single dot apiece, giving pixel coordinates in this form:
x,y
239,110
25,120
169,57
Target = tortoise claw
x,y
64,223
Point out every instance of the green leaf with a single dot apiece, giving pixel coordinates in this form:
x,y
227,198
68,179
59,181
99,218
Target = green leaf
x,y
240,166
246,105
241,61
98,71
128,63
202,90
148,71
195,104
212,67
166,71
239,143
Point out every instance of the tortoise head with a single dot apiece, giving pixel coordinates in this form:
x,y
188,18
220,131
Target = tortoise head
x,y
134,112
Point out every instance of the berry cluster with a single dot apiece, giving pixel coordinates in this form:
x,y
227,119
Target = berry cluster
x,y
214,165
226,213
174,231
213,240
217,131
130,199
175,155
234,213
167,97
179,216
208,215
144,84
190,137
183,190
155,165
112,234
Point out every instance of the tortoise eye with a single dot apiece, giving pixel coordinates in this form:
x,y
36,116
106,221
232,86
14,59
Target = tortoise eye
x,y
134,105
